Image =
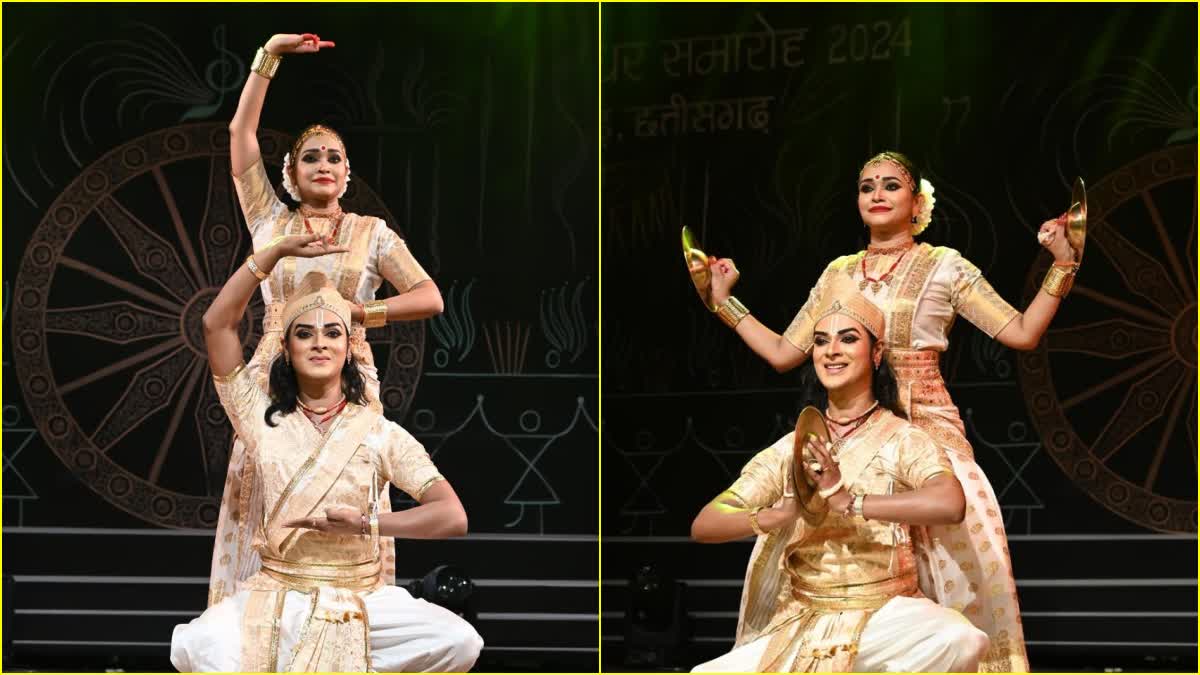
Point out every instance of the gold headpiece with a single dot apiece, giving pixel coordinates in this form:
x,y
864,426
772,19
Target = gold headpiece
x,y
315,291
893,159
839,295
308,133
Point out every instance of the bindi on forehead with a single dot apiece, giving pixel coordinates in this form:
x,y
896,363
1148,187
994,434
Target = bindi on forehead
x,y
320,144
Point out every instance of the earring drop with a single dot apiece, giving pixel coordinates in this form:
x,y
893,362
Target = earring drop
x,y
914,220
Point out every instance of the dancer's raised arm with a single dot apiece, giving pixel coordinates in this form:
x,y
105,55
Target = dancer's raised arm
x,y
243,128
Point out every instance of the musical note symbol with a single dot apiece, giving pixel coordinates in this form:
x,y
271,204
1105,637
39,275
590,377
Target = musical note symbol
x,y
224,74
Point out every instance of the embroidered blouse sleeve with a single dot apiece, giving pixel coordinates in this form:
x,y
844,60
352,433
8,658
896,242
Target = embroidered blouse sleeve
x,y
396,262
405,464
260,206
762,479
245,403
920,459
974,299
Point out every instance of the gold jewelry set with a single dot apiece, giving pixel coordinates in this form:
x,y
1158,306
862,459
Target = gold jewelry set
x,y
1059,279
265,63
375,313
732,311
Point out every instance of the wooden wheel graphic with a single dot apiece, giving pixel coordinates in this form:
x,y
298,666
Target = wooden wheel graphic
x,y
106,317
1114,398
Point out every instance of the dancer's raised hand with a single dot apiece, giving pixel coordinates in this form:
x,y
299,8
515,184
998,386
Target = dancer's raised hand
x,y
296,43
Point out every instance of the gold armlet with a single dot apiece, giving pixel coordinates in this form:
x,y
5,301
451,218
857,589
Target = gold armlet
x,y
1059,280
754,521
375,314
732,311
265,64
255,269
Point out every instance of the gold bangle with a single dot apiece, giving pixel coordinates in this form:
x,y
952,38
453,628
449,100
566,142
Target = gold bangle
x,y
856,506
265,63
1059,280
754,521
375,314
255,269
732,311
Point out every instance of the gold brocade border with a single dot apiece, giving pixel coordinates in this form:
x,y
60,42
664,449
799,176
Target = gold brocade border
x,y
351,428
260,630
366,623
276,619
903,305
304,469
275,281
312,613
288,265
356,235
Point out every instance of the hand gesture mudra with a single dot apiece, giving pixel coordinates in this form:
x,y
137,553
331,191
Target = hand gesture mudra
x,y
1052,235
820,466
337,520
306,246
725,276
293,43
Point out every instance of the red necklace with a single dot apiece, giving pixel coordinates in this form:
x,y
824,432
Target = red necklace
x,y
336,216
314,416
858,422
885,278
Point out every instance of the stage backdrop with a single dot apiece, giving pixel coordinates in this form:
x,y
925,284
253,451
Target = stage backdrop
x,y
749,124
471,130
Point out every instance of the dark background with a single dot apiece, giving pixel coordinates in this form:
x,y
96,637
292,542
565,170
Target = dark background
x,y
470,128
1089,440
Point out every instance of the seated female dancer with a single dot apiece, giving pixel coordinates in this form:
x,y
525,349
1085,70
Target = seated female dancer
x,y
843,594
320,456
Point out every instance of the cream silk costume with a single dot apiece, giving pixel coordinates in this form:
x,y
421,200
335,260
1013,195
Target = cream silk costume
x,y
376,254
319,601
848,596
965,567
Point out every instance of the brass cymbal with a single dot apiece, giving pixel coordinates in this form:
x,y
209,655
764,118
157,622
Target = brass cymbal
x,y
1076,219
810,423
697,266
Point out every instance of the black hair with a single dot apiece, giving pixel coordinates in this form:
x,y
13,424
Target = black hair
x,y
883,385
284,387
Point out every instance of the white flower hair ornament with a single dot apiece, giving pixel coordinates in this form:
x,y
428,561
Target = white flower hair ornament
x,y
290,187
925,215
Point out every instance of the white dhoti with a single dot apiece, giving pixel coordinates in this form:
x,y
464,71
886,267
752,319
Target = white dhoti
x,y
406,635
905,635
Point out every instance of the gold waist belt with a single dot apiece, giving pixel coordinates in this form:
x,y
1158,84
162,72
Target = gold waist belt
x,y
871,595
918,377
914,364
308,576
